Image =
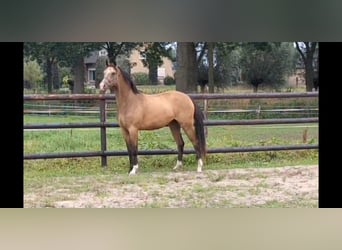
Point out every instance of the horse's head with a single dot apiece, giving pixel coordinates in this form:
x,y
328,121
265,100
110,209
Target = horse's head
x,y
110,79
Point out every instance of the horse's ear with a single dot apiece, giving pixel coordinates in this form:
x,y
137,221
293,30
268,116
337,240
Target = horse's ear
x,y
110,63
113,63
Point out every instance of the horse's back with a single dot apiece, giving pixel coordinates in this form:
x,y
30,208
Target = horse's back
x,y
161,109
172,98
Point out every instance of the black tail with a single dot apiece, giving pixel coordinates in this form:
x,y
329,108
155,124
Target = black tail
x,y
199,130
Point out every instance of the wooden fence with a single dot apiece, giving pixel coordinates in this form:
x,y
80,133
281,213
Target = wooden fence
x,y
103,124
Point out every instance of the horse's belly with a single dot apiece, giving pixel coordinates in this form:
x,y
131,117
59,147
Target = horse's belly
x,y
155,121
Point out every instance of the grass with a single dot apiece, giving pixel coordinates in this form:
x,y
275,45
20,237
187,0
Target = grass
x,y
71,140
225,136
218,136
88,138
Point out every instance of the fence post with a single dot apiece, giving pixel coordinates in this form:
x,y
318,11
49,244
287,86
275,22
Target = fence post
x,y
258,110
103,132
205,107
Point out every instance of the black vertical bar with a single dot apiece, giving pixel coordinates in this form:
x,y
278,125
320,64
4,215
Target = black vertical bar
x,y
205,109
12,178
103,132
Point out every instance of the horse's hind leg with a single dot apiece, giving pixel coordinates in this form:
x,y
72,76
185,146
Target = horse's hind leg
x,y
177,136
191,133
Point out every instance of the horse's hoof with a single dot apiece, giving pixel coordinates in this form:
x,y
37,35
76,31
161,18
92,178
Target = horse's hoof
x,y
134,170
178,165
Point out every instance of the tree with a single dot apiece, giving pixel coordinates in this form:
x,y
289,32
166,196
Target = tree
x,y
33,75
186,67
153,53
266,63
225,65
56,79
307,51
46,54
211,67
65,54
207,63
114,49
73,55
227,70
189,57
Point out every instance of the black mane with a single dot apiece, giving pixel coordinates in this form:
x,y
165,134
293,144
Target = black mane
x,y
129,80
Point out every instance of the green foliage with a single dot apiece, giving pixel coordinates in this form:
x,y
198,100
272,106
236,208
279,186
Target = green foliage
x,y
227,69
152,140
65,80
141,78
65,75
33,74
266,63
154,52
89,90
114,49
169,80
53,55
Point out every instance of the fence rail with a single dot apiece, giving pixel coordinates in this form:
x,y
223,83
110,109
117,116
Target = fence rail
x,y
77,111
103,124
193,96
167,151
207,123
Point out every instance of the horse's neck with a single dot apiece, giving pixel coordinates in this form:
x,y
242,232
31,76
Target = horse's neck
x,y
124,97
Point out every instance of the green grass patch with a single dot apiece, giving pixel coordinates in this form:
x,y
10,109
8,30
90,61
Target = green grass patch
x,y
72,140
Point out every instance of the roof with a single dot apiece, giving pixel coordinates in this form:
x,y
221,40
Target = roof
x,y
92,58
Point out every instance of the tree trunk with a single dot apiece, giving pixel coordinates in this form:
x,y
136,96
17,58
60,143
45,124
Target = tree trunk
x,y
255,88
309,75
49,75
153,73
211,67
78,70
111,56
307,57
55,76
186,73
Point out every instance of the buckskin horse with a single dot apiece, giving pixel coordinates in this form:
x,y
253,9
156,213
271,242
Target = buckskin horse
x,y
138,111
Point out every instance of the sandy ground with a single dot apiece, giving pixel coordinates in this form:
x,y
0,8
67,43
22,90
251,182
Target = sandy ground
x,y
295,186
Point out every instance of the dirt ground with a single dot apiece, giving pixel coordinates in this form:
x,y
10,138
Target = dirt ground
x,y
295,186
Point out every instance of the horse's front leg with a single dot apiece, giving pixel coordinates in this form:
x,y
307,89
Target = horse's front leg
x,y
131,139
